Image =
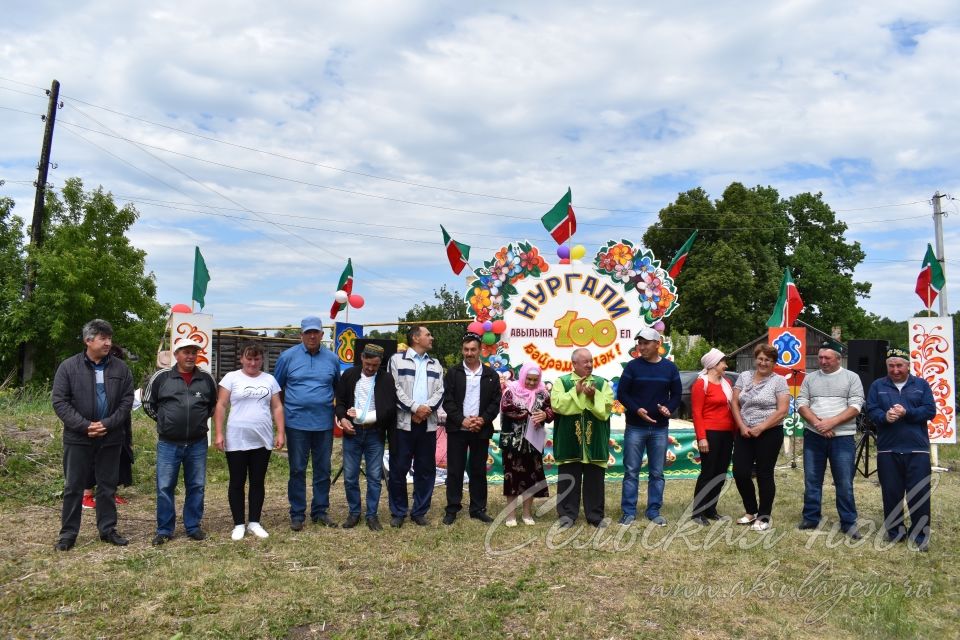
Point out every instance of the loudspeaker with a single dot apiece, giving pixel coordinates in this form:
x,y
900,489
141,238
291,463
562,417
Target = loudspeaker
x,y
867,359
389,348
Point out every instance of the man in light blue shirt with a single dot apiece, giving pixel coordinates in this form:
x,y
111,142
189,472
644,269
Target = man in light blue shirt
x,y
308,374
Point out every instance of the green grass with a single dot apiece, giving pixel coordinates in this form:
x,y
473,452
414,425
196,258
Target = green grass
x,y
453,582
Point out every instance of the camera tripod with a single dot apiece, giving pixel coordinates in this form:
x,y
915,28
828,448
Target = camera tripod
x,y
866,433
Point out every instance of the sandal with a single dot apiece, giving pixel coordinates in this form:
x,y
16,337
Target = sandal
x,y
529,521
747,518
511,522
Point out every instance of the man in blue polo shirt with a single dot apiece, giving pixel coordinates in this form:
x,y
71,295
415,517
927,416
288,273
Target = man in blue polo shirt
x,y
308,375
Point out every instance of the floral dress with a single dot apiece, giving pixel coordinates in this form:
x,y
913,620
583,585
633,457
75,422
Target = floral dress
x,y
522,463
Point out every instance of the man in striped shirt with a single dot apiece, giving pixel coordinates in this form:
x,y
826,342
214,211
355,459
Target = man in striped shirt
x,y
830,401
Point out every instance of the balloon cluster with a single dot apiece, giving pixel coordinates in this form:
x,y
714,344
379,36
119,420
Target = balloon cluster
x,y
566,254
356,301
488,331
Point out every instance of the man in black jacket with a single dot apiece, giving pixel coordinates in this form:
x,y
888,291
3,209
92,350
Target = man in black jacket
x,y
92,396
181,399
472,402
366,410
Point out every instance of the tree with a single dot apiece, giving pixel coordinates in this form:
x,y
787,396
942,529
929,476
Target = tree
x,y
86,268
447,337
12,273
730,282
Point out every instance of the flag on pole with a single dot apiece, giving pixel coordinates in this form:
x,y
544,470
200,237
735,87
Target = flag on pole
x,y
200,277
681,258
457,252
560,221
931,279
789,304
344,284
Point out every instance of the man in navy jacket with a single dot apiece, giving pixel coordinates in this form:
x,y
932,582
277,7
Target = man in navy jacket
x,y
900,405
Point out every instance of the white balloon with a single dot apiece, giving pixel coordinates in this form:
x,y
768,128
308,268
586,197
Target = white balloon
x,y
341,296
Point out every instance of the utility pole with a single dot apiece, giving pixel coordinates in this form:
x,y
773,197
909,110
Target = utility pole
x,y
36,228
938,234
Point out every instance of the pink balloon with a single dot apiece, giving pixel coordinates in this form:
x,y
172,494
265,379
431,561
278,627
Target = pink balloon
x,y
356,301
180,308
475,328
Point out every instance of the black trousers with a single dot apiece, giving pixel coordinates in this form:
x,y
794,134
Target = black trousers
x,y
764,451
905,475
102,455
713,472
574,478
459,444
250,464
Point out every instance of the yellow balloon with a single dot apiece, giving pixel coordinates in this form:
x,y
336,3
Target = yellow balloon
x,y
578,251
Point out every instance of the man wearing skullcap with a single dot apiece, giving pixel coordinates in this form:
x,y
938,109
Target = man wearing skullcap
x,y
900,405
366,410
829,403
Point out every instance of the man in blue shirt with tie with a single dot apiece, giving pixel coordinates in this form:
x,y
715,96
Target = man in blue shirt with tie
x,y
308,374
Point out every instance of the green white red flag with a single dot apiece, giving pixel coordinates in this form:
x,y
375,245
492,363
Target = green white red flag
x,y
457,252
789,304
931,279
345,284
681,258
560,221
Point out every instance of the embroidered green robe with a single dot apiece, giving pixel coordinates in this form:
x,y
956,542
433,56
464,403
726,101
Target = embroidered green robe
x,y
581,431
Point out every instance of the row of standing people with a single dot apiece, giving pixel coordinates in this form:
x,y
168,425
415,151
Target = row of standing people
x,y
744,422
400,405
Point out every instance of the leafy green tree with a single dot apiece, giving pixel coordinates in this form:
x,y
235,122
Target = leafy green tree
x,y
447,337
12,273
731,279
86,268
687,350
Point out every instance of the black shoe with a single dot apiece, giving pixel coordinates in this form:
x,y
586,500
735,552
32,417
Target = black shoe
x,y
923,545
449,518
896,537
701,520
296,525
716,517
564,522
65,544
396,522
373,523
161,538
419,521
482,516
854,533
325,521
197,534
806,525
600,524
351,521
114,538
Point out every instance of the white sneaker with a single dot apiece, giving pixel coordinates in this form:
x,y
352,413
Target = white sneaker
x,y
237,533
760,525
257,530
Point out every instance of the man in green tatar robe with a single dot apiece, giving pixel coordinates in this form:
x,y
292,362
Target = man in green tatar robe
x,y
582,404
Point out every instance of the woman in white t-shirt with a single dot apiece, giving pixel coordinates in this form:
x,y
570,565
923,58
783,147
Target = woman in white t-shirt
x,y
253,399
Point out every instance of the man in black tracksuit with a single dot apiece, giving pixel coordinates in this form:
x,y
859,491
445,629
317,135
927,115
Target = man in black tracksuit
x,y
92,396
472,401
181,399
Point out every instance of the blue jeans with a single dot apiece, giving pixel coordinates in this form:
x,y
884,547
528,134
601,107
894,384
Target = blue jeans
x,y
319,445
193,457
369,444
840,451
635,441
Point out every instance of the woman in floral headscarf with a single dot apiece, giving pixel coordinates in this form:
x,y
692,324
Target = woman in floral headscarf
x,y
524,410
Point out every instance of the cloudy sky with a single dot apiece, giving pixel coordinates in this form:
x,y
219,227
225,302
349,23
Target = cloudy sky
x,y
282,138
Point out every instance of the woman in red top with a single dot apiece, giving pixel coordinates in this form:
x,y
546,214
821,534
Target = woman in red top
x,y
713,423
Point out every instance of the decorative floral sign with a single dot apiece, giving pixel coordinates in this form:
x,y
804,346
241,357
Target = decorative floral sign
x,y
529,310
931,357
